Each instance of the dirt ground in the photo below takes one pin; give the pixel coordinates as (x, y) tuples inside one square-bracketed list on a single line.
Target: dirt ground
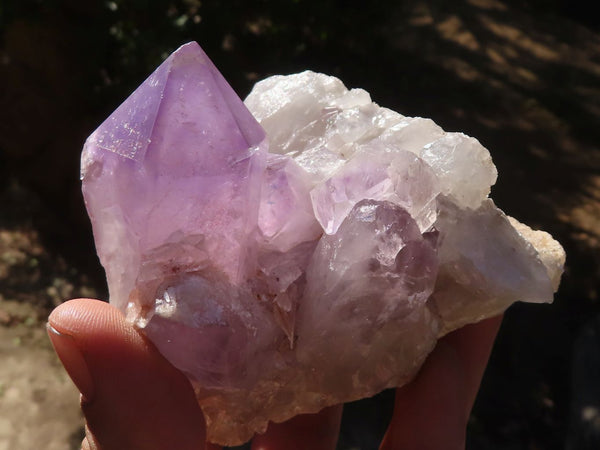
[(38, 402), (526, 85)]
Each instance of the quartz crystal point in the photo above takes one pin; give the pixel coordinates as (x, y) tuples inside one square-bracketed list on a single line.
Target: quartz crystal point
[(305, 249)]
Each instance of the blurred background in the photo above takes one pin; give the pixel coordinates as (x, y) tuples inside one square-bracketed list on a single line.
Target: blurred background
[(521, 76)]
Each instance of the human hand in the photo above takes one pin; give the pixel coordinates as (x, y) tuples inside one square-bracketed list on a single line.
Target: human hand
[(133, 399)]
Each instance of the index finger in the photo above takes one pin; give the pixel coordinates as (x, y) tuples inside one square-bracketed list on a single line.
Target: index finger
[(432, 411)]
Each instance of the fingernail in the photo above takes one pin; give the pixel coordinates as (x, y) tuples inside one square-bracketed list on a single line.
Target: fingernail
[(73, 361)]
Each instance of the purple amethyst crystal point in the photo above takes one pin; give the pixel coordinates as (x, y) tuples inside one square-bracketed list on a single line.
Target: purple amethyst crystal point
[(177, 167), (354, 280), (315, 269)]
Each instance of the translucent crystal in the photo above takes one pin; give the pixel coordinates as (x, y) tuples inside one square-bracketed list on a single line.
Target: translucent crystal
[(304, 250)]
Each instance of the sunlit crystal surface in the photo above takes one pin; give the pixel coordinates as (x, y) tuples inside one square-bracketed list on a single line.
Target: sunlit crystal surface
[(305, 249)]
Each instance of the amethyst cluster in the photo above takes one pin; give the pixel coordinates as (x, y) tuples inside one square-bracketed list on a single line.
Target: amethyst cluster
[(303, 249)]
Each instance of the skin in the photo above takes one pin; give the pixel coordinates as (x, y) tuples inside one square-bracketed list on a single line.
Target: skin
[(115, 367)]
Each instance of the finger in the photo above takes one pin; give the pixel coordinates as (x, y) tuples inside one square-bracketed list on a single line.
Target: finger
[(89, 442), (432, 411), (306, 431), (85, 445), (473, 345), (131, 396), (429, 412)]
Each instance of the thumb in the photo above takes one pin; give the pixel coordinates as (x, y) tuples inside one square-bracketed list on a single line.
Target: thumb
[(132, 398)]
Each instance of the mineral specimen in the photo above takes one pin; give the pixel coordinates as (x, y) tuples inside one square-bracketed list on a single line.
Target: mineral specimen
[(302, 250)]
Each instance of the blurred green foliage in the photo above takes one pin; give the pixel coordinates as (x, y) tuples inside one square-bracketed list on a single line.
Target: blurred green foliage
[(119, 42)]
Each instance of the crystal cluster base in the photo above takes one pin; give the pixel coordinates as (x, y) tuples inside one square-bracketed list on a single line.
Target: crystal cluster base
[(300, 250)]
